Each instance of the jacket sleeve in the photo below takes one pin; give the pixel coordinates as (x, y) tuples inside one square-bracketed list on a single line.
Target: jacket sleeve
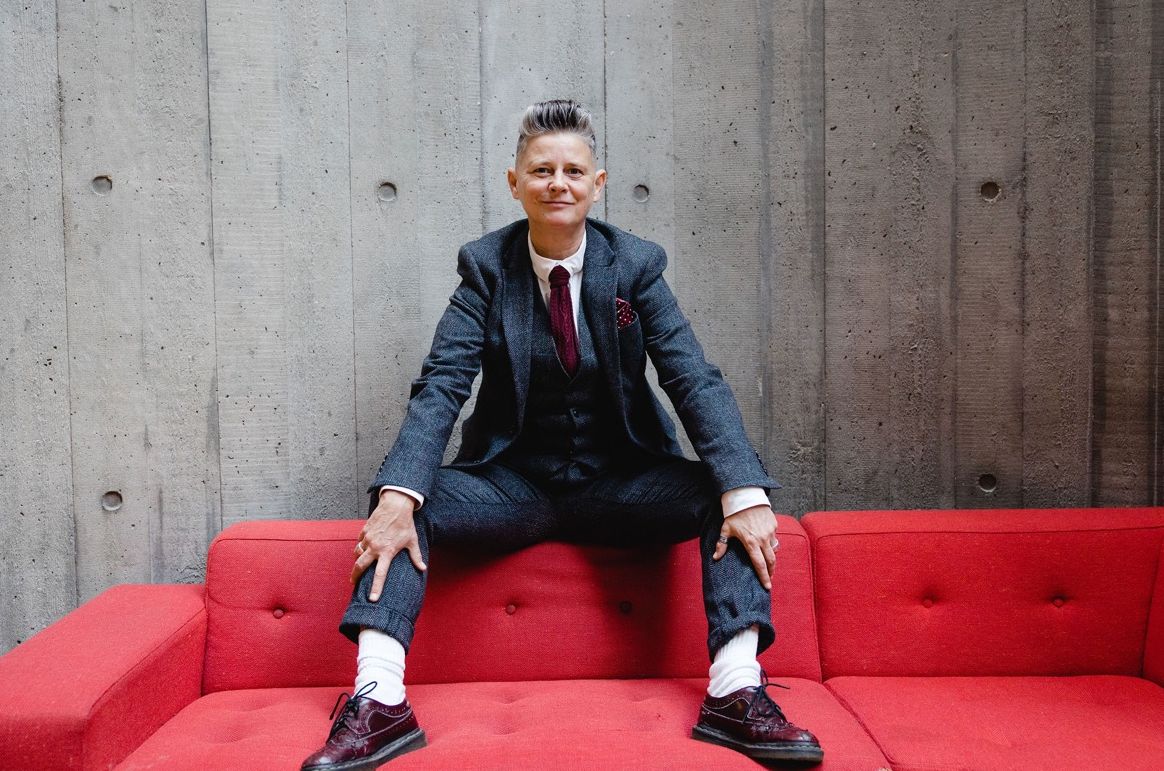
[(446, 378), (702, 398)]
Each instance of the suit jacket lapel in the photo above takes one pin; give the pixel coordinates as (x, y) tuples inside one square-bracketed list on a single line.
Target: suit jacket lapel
[(516, 316), (599, 285)]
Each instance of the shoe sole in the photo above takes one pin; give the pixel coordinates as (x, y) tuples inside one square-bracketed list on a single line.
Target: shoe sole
[(413, 740), (759, 751)]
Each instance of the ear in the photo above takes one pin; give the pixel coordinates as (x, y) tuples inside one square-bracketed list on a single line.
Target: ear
[(511, 177), (599, 183)]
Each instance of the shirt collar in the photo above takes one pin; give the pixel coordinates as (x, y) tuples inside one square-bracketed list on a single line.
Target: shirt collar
[(543, 265)]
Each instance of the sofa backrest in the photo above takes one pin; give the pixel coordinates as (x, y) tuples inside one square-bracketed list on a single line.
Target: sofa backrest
[(999, 592), (276, 591)]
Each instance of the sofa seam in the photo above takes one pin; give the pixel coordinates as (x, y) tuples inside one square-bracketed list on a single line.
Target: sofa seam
[(860, 721), (178, 634), (864, 533)]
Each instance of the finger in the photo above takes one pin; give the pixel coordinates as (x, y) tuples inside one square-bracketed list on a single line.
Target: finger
[(362, 562), (414, 552), (770, 559), (721, 545), (759, 565), (378, 580)]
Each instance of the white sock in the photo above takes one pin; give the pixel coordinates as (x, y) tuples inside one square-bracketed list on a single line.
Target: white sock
[(735, 664), (381, 660)]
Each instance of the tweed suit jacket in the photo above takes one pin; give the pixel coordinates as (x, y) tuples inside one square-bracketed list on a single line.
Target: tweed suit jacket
[(487, 328)]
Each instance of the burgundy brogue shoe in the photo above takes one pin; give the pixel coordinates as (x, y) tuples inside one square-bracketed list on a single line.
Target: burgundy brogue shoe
[(749, 721), (365, 734)]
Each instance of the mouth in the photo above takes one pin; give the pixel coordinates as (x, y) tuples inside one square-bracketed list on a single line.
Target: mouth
[(557, 204)]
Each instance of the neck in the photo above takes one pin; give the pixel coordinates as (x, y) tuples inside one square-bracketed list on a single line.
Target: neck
[(556, 245)]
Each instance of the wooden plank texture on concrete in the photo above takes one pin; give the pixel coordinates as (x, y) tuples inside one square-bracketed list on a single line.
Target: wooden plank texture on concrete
[(416, 196), (640, 190), (889, 174), (141, 344), (37, 571), (988, 227), (719, 191), (1056, 378), (1125, 271), (282, 248), (532, 51), (792, 292)]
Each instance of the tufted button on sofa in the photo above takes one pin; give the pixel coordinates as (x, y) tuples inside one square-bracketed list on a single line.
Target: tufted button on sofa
[(908, 640)]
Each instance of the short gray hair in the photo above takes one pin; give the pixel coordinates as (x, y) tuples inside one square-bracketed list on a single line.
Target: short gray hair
[(555, 116)]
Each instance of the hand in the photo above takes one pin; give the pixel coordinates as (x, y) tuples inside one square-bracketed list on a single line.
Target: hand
[(755, 528), (388, 531)]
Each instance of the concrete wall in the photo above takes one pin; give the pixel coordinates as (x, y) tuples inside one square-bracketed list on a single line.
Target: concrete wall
[(920, 237)]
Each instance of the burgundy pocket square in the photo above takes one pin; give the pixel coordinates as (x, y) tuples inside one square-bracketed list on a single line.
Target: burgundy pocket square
[(624, 313)]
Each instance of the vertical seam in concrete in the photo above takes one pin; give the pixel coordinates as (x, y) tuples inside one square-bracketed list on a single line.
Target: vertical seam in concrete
[(822, 394), (213, 262), (65, 277), (481, 105), (1100, 75), (1089, 280), (765, 240), (1023, 255), (953, 203), (1155, 230), (352, 250), (605, 120)]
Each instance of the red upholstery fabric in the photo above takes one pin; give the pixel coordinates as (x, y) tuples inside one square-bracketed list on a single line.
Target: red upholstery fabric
[(1020, 723), (591, 724), (1051, 592), (551, 611), (88, 689), (1154, 645)]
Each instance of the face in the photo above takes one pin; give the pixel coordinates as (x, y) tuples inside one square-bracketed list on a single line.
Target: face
[(557, 181)]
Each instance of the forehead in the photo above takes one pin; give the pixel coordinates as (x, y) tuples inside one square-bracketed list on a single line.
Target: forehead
[(559, 146)]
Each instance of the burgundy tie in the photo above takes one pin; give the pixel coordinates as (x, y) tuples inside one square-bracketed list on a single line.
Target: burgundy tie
[(562, 319)]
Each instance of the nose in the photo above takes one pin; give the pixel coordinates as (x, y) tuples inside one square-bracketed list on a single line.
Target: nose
[(558, 181)]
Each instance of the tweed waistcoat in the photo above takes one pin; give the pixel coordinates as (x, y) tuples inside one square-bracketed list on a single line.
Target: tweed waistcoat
[(570, 432)]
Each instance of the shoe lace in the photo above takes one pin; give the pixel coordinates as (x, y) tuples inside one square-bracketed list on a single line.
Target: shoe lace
[(347, 712), (763, 705)]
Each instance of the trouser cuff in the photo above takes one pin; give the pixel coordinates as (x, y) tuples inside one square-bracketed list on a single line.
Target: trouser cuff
[(718, 637), (370, 616)]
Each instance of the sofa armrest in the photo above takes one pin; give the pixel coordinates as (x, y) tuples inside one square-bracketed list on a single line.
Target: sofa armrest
[(86, 691)]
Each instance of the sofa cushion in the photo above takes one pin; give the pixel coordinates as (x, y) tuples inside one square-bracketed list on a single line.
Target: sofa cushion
[(1028, 723), (1154, 644), (1046, 592), (276, 591), (562, 724)]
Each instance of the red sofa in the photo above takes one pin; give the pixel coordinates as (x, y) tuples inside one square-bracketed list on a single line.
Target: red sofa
[(909, 640)]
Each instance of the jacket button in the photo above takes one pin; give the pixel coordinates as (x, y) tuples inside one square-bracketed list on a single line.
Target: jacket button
[(277, 613), (511, 608)]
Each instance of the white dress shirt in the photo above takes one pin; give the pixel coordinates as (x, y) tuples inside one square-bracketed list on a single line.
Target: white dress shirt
[(733, 501)]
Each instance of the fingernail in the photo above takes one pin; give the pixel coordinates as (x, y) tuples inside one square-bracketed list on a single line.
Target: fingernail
[(373, 597)]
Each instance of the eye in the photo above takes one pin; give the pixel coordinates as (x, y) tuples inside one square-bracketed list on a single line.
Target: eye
[(541, 170), (575, 172)]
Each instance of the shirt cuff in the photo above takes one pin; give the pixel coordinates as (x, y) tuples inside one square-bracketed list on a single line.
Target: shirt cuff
[(734, 501), (413, 494)]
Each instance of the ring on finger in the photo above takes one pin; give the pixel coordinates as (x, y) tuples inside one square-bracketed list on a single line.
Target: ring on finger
[(360, 547), (723, 539)]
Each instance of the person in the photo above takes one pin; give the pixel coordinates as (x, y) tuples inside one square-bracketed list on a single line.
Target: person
[(567, 441)]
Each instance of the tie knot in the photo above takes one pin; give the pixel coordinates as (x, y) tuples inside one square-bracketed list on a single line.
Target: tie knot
[(559, 276)]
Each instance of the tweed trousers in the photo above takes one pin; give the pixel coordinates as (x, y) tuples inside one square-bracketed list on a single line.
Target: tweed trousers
[(496, 506)]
